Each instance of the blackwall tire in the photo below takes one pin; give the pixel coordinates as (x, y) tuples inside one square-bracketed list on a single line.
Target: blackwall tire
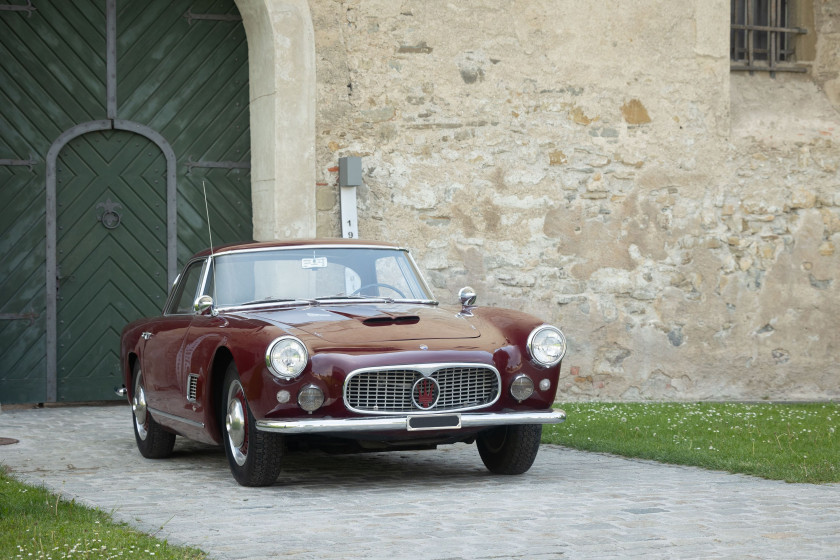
[(255, 457), (509, 449), (153, 441)]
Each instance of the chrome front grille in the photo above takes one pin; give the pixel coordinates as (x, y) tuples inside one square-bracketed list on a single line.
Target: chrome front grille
[(388, 390)]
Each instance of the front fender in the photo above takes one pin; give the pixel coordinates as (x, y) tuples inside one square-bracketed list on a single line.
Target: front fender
[(246, 348)]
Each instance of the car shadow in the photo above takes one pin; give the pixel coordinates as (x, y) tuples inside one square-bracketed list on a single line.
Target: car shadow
[(378, 469), (445, 465)]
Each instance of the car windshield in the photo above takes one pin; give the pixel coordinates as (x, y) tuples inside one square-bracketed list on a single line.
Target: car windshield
[(281, 275)]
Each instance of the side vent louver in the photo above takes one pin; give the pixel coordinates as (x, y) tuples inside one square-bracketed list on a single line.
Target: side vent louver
[(192, 387)]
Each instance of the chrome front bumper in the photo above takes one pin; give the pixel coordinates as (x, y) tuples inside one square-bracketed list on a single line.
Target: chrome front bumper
[(409, 422)]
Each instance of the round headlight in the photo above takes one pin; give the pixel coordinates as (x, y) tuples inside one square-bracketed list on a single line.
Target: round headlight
[(546, 345), (286, 357)]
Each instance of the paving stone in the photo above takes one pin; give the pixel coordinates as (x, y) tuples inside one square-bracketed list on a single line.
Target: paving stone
[(434, 505)]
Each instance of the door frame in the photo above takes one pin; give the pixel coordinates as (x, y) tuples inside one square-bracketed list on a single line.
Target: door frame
[(52, 257)]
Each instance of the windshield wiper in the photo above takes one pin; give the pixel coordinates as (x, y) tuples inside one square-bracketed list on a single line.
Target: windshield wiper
[(280, 300), (355, 298), (416, 301)]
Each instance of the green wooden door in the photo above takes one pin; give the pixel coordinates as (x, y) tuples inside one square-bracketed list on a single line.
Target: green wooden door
[(52, 77), (187, 78), (181, 72), (22, 321), (111, 245)]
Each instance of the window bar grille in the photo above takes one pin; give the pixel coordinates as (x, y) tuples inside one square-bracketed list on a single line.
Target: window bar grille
[(747, 24)]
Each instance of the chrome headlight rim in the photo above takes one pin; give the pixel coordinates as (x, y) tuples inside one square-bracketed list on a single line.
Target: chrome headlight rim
[(277, 369), (533, 351)]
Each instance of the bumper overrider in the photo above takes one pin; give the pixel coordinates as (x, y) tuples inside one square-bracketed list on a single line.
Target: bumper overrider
[(409, 422)]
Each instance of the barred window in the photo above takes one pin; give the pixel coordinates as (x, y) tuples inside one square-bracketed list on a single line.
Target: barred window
[(762, 36)]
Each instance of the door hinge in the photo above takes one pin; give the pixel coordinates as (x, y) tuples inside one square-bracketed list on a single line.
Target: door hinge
[(216, 165), (19, 317), (26, 162), (210, 17), (29, 8)]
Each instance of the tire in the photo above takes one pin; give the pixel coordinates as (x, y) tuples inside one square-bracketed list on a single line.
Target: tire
[(509, 449), (255, 457), (153, 441)]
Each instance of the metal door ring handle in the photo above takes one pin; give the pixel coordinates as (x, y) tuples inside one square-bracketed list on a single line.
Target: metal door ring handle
[(108, 215)]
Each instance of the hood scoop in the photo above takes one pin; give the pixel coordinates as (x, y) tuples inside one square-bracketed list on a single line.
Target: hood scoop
[(389, 321)]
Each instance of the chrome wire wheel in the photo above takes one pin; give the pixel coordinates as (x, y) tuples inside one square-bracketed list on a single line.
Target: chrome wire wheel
[(139, 407), (236, 423)]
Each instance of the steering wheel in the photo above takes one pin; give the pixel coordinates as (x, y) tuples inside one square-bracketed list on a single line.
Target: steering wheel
[(375, 284)]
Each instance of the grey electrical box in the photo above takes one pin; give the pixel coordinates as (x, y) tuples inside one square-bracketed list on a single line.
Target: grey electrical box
[(350, 171)]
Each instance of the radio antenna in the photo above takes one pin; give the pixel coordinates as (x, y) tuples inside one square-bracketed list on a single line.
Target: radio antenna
[(210, 235)]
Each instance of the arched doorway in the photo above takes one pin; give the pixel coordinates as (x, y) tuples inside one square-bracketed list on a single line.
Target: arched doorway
[(110, 253)]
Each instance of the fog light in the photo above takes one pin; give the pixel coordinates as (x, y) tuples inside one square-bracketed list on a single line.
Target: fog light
[(522, 388), (310, 398), (283, 397), (545, 385)]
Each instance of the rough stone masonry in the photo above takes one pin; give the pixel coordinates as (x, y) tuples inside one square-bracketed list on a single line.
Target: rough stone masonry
[(598, 165)]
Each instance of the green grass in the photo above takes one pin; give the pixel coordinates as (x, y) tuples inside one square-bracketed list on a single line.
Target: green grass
[(791, 442), (38, 525)]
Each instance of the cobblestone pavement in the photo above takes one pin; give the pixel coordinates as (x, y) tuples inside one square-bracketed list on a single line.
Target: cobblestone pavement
[(419, 505)]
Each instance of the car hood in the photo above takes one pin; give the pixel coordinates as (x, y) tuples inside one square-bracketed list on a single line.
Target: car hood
[(374, 322)]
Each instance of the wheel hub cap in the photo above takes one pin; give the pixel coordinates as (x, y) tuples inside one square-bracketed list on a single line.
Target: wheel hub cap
[(138, 405), (235, 423)]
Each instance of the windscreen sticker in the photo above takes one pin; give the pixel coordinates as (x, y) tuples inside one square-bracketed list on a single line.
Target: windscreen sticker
[(317, 262)]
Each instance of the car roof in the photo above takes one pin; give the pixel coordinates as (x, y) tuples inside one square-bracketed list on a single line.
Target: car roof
[(294, 243)]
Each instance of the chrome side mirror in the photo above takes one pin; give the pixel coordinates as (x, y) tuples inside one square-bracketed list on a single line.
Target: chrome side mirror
[(467, 296), (202, 304)]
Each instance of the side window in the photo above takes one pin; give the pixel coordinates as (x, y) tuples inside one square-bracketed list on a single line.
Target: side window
[(186, 288)]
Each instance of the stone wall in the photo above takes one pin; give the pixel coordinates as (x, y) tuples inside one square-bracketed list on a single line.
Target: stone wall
[(597, 164)]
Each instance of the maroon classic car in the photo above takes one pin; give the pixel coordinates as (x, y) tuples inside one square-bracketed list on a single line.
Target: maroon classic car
[(338, 345)]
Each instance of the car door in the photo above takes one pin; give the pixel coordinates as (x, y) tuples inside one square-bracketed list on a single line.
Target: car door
[(163, 355)]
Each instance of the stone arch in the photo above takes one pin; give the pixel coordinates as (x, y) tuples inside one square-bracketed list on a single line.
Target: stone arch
[(281, 58)]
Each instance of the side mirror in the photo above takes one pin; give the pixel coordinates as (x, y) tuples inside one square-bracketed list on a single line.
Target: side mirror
[(202, 304), (467, 296)]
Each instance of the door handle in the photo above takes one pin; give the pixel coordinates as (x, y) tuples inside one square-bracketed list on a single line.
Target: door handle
[(146, 335)]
